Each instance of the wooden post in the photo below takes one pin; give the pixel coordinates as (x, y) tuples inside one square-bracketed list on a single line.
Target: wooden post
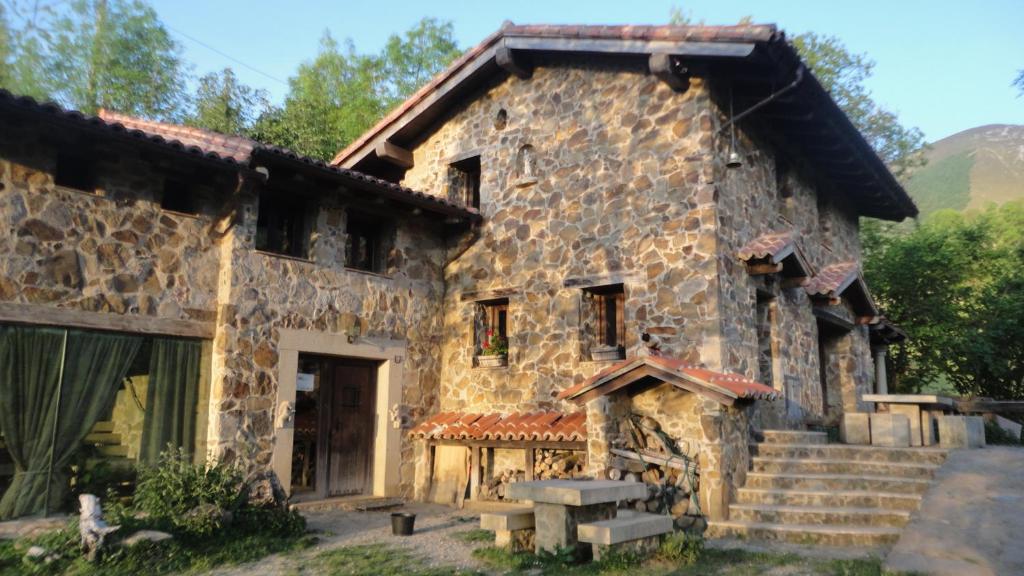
[(489, 465), (474, 472), (530, 455)]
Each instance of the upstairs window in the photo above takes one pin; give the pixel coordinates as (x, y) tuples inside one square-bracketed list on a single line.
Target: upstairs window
[(492, 326), (604, 323), (179, 196), (283, 225), (75, 171), (464, 181), (367, 243), (783, 186)]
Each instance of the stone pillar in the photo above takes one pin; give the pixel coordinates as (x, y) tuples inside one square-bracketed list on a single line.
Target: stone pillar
[(881, 381)]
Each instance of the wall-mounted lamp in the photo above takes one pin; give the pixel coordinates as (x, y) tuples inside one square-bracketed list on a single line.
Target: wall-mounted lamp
[(734, 160)]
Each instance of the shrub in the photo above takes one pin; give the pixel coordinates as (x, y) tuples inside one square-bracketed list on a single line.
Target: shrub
[(995, 434), (189, 499), (682, 548)]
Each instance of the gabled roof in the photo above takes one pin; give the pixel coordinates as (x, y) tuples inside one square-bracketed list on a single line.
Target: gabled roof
[(724, 387), (836, 279), (232, 152), (755, 61), (778, 248), (529, 426)]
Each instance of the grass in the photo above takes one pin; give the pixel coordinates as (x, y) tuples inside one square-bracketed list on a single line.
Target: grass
[(945, 183), (152, 559), (474, 536)]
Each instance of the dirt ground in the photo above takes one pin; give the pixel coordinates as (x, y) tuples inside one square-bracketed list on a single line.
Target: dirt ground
[(971, 521)]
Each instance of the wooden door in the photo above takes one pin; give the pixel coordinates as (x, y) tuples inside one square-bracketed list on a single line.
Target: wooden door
[(350, 433)]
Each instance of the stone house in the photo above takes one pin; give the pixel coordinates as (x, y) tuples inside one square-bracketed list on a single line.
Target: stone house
[(655, 222)]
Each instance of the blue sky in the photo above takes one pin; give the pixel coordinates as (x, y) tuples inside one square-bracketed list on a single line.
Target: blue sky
[(943, 66)]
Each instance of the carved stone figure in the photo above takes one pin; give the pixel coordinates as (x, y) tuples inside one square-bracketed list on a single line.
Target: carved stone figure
[(285, 416), (92, 527)]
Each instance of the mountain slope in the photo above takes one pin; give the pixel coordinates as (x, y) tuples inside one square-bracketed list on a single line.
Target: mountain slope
[(972, 168)]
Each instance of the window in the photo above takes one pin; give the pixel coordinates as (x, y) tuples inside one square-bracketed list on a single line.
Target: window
[(367, 243), (604, 321), (492, 325), (283, 225), (765, 312), (464, 181), (75, 171), (783, 186), (179, 196), (824, 219)]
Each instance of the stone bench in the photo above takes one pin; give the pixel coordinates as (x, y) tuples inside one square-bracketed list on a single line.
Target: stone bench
[(637, 533), (962, 432), (513, 529)]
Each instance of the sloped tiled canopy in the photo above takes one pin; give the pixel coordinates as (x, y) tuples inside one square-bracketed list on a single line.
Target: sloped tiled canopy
[(777, 252), (843, 280), (541, 426), (725, 388)]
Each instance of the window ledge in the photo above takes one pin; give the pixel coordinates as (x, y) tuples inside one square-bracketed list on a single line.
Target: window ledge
[(524, 182), (284, 256), (368, 273)]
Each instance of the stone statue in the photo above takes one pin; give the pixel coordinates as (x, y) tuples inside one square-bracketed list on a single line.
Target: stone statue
[(285, 416), (92, 527)]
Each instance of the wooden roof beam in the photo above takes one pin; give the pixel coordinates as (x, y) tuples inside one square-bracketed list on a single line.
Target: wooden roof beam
[(393, 154)]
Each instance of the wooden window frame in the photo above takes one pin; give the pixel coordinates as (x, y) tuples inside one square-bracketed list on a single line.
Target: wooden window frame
[(287, 222), (464, 178), (611, 315), (377, 232), (495, 319)]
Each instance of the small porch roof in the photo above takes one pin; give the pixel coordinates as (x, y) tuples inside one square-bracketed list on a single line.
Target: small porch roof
[(779, 249), (834, 281), (723, 387), (541, 426)]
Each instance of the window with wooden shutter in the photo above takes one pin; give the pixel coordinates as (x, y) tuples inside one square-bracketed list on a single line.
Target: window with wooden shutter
[(604, 320)]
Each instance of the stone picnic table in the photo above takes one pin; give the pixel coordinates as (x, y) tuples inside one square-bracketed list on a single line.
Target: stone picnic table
[(560, 506), (923, 411)]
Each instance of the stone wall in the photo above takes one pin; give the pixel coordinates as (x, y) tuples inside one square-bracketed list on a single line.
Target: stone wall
[(112, 251), (262, 293), (751, 203), (619, 194)]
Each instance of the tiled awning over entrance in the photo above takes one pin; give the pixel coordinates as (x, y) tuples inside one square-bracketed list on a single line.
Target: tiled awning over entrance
[(725, 388), (517, 426)]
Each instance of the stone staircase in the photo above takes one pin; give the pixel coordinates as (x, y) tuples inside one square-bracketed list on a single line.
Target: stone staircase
[(802, 489)]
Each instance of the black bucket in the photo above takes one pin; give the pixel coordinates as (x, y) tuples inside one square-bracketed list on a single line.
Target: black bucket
[(401, 523)]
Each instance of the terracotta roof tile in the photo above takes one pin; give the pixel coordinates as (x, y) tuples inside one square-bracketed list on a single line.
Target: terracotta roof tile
[(833, 279), (235, 147), (767, 245), (727, 384), (517, 426)]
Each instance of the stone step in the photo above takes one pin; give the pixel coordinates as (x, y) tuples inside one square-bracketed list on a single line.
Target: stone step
[(624, 528), (836, 482), (104, 426), (850, 452), (845, 516), (794, 437), (826, 466), (113, 450), (105, 438), (516, 519), (833, 498), (826, 534)]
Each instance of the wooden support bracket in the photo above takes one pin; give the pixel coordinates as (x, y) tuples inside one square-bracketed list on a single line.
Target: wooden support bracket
[(512, 62), (795, 282), (394, 154), (670, 71), (759, 269)]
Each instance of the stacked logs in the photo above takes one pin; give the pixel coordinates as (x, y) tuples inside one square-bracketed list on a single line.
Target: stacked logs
[(669, 491), (554, 463), (496, 487)]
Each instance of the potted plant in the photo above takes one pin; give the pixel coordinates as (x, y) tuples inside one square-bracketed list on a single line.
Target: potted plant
[(493, 352), (604, 353)]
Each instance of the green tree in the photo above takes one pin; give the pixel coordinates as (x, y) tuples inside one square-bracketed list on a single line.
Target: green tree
[(410, 61), (1019, 81), (225, 105), (6, 49), (115, 54)]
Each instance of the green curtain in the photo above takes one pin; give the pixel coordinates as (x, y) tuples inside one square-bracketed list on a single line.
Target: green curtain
[(29, 377), (95, 363), (171, 397)]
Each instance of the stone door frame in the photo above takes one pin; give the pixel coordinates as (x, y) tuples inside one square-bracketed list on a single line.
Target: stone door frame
[(387, 439)]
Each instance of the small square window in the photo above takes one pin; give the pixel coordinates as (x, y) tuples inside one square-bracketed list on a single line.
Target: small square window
[(179, 196), (283, 225), (464, 181), (367, 243), (75, 171), (604, 321), (492, 326)]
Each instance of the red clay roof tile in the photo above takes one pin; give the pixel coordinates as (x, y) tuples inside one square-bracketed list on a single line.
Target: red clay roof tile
[(520, 426), (833, 279)]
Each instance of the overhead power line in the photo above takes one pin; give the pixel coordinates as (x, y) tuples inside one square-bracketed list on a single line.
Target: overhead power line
[(228, 56)]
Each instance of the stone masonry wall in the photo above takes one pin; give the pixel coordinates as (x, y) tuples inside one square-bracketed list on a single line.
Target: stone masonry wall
[(621, 196), (262, 293), (827, 230)]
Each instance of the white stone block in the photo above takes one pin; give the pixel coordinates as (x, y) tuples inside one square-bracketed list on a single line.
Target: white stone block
[(890, 430), (962, 432), (855, 428)]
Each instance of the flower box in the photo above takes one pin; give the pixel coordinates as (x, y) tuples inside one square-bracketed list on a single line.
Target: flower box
[(605, 353), (492, 360)]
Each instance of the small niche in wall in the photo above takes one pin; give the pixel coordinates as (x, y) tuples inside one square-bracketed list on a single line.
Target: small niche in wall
[(501, 119), (526, 166)]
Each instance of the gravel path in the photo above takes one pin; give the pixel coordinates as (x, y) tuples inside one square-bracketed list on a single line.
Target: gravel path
[(431, 541), (971, 521)]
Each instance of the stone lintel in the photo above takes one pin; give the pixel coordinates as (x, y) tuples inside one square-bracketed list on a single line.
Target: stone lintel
[(484, 295)]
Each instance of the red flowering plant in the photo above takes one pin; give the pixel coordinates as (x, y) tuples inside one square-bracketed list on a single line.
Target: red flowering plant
[(494, 345)]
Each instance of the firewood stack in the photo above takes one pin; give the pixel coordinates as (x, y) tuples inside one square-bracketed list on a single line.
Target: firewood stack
[(549, 464), (644, 453), (497, 487)]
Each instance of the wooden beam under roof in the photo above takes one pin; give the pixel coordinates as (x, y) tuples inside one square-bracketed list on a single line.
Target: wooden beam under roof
[(394, 154)]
